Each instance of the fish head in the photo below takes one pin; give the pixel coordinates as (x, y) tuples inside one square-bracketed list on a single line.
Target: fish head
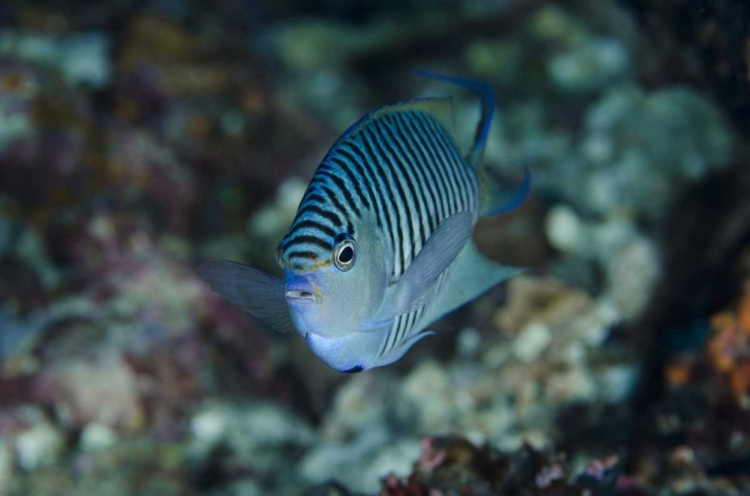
[(329, 300)]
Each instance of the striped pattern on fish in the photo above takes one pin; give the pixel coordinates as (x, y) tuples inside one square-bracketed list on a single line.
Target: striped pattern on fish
[(403, 167)]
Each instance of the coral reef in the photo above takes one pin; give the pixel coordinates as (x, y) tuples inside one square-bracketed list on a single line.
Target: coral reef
[(456, 466), (137, 139)]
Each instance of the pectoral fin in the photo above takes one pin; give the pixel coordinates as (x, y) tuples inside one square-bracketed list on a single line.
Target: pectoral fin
[(413, 287), (258, 294)]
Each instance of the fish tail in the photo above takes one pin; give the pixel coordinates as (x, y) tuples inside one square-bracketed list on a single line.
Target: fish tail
[(487, 97)]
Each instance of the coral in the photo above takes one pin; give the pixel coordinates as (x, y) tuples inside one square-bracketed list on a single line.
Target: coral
[(624, 130), (631, 262), (707, 46), (82, 58), (134, 467), (248, 443), (727, 352), (453, 465), (137, 141), (704, 416)]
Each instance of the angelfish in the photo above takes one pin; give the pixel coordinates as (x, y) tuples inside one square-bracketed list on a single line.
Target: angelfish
[(381, 243)]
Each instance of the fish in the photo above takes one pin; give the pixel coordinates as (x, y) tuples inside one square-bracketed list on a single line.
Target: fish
[(381, 244)]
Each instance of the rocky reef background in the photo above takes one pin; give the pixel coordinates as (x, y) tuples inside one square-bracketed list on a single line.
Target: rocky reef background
[(138, 138)]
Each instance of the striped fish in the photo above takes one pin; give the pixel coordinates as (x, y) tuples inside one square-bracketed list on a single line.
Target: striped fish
[(381, 243)]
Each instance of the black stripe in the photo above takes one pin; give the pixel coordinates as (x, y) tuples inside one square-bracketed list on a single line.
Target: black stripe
[(346, 150), (344, 166), (309, 207), (397, 166), (435, 164), (425, 168), (313, 224), (303, 254), (342, 186), (393, 331), (334, 199), (408, 165), (371, 140), (423, 187), (444, 161), (401, 330), (378, 190), (307, 239), (449, 147), (313, 197)]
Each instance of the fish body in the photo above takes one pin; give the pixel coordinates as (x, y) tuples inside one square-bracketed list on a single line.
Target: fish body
[(381, 243)]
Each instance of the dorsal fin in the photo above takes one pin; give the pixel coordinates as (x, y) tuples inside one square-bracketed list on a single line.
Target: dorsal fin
[(441, 108), (487, 96), (496, 197)]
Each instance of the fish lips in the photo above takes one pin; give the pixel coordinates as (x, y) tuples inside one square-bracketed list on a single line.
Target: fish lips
[(301, 290)]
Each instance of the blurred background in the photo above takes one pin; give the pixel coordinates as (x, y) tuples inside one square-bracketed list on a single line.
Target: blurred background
[(140, 137)]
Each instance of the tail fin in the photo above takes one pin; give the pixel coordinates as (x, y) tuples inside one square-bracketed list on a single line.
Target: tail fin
[(487, 96)]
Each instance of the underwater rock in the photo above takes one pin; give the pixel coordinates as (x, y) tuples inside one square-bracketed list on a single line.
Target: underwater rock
[(149, 173), (248, 444), (35, 441), (7, 466), (207, 116), (633, 165), (18, 337), (357, 428), (97, 437), (82, 58), (706, 46), (452, 465), (619, 161), (558, 25), (42, 134), (358, 404), (104, 391), (590, 66), (631, 262), (39, 447), (563, 330), (705, 263), (498, 61), (631, 276), (703, 417), (134, 467), (345, 462), (728, 347), (567, 232), (429, 391)]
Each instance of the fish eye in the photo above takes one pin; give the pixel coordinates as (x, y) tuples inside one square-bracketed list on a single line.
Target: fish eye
[(344, 252)]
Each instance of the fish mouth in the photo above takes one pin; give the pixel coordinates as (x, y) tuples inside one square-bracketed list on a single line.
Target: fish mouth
[(299, 295), (300, 290)]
